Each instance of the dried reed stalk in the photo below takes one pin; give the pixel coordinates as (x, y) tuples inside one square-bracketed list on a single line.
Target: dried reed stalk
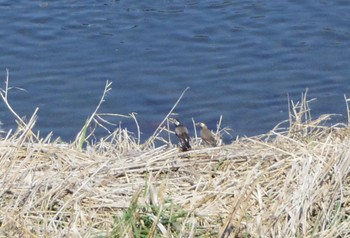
[(286, 183)]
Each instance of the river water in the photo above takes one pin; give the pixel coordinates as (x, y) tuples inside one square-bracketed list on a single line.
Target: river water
[(240, 59)]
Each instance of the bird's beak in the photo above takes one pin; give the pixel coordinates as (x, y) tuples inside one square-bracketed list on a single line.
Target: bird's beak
[(197, 123)]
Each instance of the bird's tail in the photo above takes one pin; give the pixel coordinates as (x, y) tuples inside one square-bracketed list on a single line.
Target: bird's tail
[(185, 145)]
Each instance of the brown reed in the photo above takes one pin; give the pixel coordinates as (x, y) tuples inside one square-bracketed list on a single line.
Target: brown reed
[(289, 182)]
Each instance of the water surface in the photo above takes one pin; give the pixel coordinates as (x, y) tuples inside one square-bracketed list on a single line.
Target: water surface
[(241, 59)]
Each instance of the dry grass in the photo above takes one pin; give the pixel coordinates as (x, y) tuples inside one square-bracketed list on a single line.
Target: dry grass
[(291, 182)]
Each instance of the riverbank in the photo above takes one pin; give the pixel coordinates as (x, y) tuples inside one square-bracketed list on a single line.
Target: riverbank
[(291, 182)]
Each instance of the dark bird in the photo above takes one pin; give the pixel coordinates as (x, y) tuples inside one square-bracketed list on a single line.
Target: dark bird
[(181, 133), (206, 134)]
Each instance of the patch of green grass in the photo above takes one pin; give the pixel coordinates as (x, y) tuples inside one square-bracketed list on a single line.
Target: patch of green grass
[(145, 220)]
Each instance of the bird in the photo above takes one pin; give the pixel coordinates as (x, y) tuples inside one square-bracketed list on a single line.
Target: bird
[(206, 134), (181, 132)]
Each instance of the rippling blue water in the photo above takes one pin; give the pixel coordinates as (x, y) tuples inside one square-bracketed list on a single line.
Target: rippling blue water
[(240, 59)]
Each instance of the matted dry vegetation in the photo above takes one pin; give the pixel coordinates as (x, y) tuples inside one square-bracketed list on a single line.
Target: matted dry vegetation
[(291, 182)]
